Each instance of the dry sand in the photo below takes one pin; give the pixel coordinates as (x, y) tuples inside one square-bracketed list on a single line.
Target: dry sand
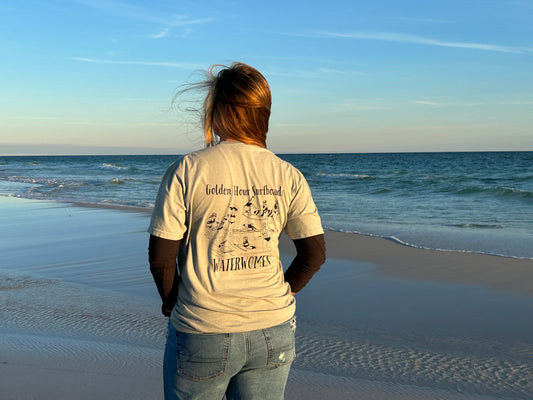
[(79, 316)]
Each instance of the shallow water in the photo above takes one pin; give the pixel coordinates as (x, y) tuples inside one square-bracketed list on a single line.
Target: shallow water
[(92, 246)]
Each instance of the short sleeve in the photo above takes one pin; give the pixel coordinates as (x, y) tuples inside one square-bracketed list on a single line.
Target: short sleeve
[(302, 219), (169, 214)]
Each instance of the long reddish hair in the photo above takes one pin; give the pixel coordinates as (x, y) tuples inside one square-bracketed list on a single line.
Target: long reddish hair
[(237, 105)]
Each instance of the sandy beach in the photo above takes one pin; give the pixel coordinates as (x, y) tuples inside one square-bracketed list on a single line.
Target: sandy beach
[(79, 315)]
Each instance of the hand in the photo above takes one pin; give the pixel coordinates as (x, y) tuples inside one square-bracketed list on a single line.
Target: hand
[(166, 311)]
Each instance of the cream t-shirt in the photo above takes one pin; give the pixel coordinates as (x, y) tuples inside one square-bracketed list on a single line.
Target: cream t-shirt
[(228, 204)]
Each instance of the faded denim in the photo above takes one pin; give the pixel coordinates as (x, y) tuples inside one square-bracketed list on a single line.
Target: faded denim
[(248, 365)]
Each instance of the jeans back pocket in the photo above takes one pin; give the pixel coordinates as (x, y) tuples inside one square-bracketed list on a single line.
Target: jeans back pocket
[(202, 356), (281, 344)]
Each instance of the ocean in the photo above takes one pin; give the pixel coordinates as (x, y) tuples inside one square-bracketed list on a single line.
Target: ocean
[(478, 202)]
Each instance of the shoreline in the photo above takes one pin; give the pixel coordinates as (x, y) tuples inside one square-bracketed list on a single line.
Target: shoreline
[(395, 259), (393, 240), (148, 211), (389, 256)]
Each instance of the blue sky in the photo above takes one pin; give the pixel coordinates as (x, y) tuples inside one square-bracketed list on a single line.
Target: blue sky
[(98, 76)]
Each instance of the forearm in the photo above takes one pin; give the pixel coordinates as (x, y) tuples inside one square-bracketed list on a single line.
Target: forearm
[(162, 255), (310, 255)]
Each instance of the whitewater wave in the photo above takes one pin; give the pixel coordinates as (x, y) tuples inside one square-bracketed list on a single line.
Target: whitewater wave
[(116, 167), (345, 175), (503, 192), (479, 226), (121, 181), (396, 239)]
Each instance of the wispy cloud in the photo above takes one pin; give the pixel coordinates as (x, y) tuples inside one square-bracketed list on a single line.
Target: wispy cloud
[(167, 20), (147, 63), (314, 73), (414, 39), (427, 103), (124, 10), (32, 118), (517, 103), (384, 104), (424, 20), (447, 104), (131, 11), (145, 99), (179, 22), (160, 35), (363, 105), (293, 125), (182, 20)]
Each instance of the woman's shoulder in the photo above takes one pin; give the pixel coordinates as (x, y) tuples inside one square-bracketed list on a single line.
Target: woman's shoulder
[(228, 151)]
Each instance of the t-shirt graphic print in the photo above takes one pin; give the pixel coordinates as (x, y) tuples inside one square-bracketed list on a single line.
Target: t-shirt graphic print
[(242, 237)]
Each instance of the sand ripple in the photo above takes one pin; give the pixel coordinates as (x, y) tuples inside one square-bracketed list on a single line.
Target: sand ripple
[(505, 372), (102, 331), (47, 308), (82, 355)]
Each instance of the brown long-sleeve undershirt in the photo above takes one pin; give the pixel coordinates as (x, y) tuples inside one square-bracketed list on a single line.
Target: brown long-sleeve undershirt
[(162, 253), (310, 255)]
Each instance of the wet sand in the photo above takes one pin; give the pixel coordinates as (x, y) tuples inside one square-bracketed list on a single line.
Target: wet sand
[(79, 315)]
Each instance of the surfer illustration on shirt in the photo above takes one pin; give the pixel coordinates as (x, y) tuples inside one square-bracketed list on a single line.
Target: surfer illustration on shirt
[(247, 229)]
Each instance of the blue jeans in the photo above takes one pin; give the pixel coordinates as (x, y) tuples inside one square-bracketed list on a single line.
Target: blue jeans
[(248, 365)]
